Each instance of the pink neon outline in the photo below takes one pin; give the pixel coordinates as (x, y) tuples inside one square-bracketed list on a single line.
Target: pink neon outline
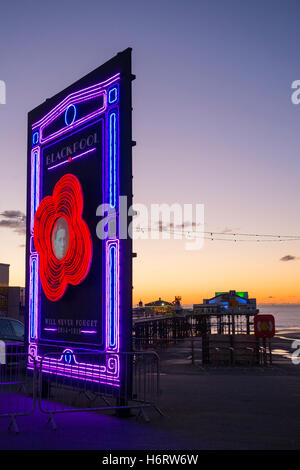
[(73, 98), (89, 368), (93, 370), (62, 373), (71, 159), (80, 371), (81, 377), (68, 100)]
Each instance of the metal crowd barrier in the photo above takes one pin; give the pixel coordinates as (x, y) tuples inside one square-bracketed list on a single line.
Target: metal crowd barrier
[(94, 381), (231, 355), (17, 386), (241, 353)]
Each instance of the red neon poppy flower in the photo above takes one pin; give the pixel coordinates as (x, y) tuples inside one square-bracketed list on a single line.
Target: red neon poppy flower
[(62, 238)]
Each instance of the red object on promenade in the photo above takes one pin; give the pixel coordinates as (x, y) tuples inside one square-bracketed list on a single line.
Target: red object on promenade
[(264, 326)]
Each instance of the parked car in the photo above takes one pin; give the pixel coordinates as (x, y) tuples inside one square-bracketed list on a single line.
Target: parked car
[(12, 359), (11, 331)]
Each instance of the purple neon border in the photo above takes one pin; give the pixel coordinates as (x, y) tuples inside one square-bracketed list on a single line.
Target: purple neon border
[(102, 122), (112, 243), (68, 100), (50, 117), (112, 193)]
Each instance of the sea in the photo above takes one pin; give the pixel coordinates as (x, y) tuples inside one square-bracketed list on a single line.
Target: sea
[(286, 316)]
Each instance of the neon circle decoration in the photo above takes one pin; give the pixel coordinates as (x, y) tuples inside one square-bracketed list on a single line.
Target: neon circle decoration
[(68, 262), (71, 110)]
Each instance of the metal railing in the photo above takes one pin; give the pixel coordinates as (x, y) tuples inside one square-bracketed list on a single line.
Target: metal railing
[(95, 381), (88, 381), (222, 355), (17, 386), (260, 355), (216, 353)]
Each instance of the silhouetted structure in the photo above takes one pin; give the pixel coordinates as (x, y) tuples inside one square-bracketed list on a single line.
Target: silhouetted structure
[(226, 319), (227, 313)]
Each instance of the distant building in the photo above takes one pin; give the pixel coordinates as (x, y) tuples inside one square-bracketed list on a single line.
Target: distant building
[(139, 311), (4, 281), (12, 299), (3, 301), (158, 307), (4, 275), (231, 302), (16, 303), (227, 313)]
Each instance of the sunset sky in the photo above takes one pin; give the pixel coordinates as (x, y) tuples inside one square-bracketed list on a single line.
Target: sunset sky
[(213, 121)]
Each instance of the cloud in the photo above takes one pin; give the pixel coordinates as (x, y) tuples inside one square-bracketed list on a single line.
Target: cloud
[(186, 224), (170, 226), (14, 220), (13, 215), (230, 230), (288, 258)]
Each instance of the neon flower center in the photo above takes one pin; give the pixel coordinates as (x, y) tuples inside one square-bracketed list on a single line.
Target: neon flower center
[(60, 238)]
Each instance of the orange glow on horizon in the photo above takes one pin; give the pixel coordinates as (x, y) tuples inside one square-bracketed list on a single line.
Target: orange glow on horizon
[(187, 300), (164, 269)]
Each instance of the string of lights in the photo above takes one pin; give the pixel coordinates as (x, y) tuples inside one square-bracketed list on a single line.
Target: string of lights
[(222, 236)]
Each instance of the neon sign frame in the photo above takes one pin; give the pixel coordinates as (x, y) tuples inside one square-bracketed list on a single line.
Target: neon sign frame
[(109, 90)]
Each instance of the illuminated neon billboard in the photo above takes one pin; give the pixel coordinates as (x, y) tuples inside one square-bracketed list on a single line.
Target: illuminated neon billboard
[(79, 286)]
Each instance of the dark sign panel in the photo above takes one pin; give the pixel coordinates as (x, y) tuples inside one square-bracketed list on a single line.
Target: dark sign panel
[(79, 283)]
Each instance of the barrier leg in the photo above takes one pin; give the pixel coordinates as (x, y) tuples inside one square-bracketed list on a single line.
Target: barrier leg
[(13, 424), (158, 410), (143, 413), (45, 388), (123, 412), (51, 420)]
